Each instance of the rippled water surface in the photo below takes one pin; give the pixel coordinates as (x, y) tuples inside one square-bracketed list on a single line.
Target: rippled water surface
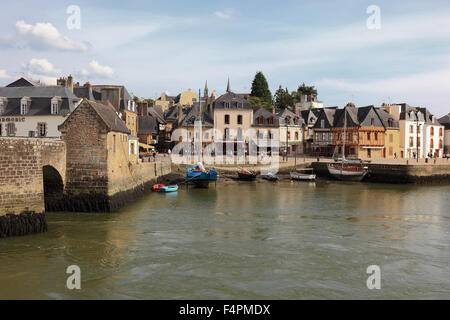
[(244, 241)]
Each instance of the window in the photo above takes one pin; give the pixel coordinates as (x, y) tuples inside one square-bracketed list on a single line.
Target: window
[(296, 135), (431, 144), (227, 119), (376, 136), (260, 120), (391, 151), (24, 108), (271, 120), (440, 144), (31, 134), (227, 133), (11, 129), (372, 121), (54, 109), (132, 148), (1, 128), (114, 143), (239, 134), (42, 129), (391, 138), (239, 119), (440, 132), (368, 135), (322, 124), (431, 131), (390, 123), (411, 129)]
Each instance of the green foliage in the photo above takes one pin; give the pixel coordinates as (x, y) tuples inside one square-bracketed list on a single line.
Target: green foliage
[(283, 98), (260, 103), (307, 90), (260, 88)]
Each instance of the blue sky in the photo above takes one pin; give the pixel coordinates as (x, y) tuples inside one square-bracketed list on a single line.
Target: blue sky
[(156, 46)]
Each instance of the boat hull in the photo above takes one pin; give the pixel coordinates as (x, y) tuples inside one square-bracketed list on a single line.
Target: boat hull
[(345, 174), (201, 179), (246, 176), (303, 177)]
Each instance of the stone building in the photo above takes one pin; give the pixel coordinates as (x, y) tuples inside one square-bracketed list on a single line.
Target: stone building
[(97, 150)]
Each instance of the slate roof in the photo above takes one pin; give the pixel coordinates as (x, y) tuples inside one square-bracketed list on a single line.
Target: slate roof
[(385, 117), (285, 114), (154, 113), (26, 82), (445, 121), (356, 117), (147, 125), (234, 100), (109, 116), (40, 100), (328, 115), (266, 114), (191, 116)]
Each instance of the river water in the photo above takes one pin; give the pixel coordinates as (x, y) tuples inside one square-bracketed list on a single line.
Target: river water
[(244, 240)]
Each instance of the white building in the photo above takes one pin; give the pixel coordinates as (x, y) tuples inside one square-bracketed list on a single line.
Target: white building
[(420, 133), (308, 102), (34, 111)]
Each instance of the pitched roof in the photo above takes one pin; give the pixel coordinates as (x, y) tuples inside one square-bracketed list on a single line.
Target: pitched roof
[(40, 100), (388, 120), (445, 121), (109, 116), (265, 115), (25, 82), (192, 115), (147, 125), (231, 100)]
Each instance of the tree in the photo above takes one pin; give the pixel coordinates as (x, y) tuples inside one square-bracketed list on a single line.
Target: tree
[(308, 90), (259, 103), (283, 98), (260, 88)]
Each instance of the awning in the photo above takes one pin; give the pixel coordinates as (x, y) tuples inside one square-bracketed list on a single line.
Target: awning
[(146, 146)]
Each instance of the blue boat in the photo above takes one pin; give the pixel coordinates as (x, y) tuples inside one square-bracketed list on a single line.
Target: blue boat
[(201, 176), (168, 188)]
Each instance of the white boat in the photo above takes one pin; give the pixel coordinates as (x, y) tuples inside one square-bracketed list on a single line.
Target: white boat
[(304, 176)]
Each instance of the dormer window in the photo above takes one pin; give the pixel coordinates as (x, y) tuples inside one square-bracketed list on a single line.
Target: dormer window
[(55, 105), (129, 105), (322, 124), (133, 106), (24, 105)]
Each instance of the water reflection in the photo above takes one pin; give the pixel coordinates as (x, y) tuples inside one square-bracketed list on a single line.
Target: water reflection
[(247, 240)]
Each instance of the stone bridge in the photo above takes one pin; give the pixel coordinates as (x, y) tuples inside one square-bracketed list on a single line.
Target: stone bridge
[(30, 170)]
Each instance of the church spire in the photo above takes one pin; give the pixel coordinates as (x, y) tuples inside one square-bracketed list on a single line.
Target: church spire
[(205, 91), (228, 85)]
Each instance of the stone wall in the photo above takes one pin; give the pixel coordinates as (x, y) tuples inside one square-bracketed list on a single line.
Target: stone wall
[(21, 182)]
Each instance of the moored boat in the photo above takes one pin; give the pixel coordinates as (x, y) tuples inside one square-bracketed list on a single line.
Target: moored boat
[(201, 176), (347, 171), (306, 175), (168, 188), (245, 174), (270, 176)]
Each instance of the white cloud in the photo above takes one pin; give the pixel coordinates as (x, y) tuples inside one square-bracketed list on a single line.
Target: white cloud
[(43, 67), (226, 14), (45, 35), (3, 74), (96, 69), (423, 89)]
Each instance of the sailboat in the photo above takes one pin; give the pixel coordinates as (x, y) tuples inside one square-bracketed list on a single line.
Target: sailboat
[(349, 170)]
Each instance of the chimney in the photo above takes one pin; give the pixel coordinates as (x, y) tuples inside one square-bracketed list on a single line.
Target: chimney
[(88, 85), (70, 83), (180, 114), (296, 109)]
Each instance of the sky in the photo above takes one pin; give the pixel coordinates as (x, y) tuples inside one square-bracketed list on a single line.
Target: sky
[(344, 48)]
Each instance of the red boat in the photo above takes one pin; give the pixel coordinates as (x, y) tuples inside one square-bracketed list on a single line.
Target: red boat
[(157, 186)]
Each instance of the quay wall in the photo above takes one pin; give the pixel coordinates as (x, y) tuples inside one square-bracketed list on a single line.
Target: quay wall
[(398, 173)]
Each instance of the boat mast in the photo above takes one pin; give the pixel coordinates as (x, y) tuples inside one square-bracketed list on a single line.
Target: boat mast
[(345, 135)]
